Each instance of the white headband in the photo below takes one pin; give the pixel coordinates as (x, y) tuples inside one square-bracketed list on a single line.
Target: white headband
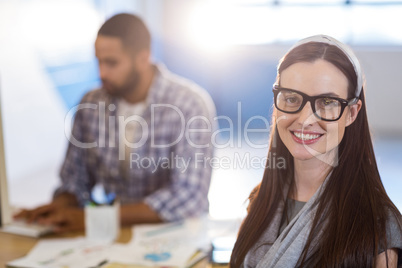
[(345, 49)]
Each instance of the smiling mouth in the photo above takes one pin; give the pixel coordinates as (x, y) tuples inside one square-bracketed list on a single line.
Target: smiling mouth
[(305, 136)]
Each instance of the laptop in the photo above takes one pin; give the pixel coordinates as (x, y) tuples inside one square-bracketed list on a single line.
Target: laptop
[(7, 224)]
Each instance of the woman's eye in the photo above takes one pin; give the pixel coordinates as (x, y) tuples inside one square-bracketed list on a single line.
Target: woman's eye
[(292, 100), (328, 102)]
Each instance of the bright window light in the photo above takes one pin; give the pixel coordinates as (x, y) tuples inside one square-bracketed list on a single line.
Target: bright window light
[(217, 25), (55, 26), (314, 2)]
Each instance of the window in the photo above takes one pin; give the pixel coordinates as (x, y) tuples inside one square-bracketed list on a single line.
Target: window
[(221, 23)]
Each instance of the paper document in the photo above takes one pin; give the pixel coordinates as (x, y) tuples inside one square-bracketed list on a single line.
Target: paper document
[(71, 253), (178, 245), (171, 244)]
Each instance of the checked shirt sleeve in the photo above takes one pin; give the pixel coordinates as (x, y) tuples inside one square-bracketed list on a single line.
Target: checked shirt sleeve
[(187, 194), (75, 178)]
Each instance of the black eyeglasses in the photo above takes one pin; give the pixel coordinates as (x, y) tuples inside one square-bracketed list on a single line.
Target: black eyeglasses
[(324, 107)]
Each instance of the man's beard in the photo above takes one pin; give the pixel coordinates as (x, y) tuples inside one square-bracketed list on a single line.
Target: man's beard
[(129, 86)]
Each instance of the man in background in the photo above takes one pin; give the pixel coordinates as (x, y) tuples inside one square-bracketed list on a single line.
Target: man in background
[(145, 137)]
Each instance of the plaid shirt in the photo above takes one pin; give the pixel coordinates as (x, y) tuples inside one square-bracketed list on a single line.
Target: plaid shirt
[(169, 165)]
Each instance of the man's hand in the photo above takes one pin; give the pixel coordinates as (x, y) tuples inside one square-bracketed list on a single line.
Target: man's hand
[(61, 218), (37, 214), (138, 213), (65, 219), (63, 214)]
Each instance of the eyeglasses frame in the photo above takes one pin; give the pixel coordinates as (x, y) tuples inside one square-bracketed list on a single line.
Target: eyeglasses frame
[(306, 98)]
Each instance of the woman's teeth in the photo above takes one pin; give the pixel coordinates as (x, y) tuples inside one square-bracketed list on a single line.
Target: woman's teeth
[(306, 137)]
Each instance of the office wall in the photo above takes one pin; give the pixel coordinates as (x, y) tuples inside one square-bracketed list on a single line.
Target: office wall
[(382, 66)]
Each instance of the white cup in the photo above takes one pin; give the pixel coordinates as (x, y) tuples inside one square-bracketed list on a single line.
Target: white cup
[(102, 223)]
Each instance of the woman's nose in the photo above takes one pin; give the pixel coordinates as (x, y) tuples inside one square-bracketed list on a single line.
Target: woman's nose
[(306, 115)]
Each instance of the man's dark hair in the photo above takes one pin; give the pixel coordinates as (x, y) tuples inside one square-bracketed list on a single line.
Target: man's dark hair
[(130, 29)]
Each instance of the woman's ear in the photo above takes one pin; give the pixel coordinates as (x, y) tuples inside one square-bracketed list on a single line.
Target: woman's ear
[(353, 112)]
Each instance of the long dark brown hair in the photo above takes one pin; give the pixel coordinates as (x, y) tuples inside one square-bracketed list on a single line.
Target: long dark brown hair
[(354, 203)]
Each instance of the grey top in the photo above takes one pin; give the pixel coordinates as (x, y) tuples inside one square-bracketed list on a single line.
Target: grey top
[(394, 235), (292, 207)]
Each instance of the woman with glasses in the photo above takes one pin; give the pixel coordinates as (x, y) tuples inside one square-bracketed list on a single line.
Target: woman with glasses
[(328, 206)]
